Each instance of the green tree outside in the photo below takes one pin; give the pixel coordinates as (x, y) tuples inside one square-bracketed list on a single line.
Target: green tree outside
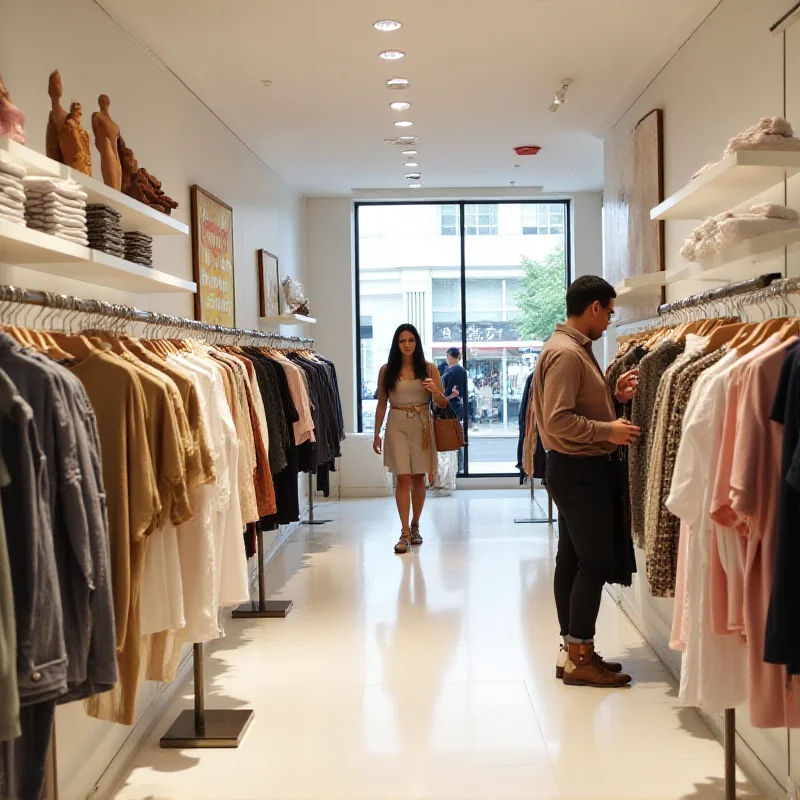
[(541, 296)]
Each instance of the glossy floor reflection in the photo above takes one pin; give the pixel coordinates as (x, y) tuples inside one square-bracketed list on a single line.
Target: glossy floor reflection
[(430, 675)]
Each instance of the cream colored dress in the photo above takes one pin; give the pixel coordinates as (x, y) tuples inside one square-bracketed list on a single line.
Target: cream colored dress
[(409, 446)]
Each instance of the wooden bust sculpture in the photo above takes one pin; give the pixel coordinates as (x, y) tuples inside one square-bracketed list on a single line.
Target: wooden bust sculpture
[(106, 137), (66, 141), (57, 117), (12, 120), (74, 140), (139, 184)]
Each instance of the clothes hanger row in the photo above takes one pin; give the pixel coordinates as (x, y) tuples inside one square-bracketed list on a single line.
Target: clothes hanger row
[(85, 326), (720, 315)]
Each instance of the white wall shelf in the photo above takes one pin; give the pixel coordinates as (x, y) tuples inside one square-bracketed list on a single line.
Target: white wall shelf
[(638, 289), (136, 216), (42, 252), (288, 319), (732, 182), (725, 264)]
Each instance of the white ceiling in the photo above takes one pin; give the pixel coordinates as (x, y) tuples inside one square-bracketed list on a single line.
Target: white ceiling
[(483, 74)]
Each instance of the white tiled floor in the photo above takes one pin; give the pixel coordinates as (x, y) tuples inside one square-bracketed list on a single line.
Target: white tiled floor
[(430, 675)]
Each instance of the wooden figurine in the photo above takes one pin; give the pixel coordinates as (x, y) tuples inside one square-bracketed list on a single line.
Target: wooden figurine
[(106, 139), (12, 120), (57, 117), (66, 140), (139, 184), (76, 149)]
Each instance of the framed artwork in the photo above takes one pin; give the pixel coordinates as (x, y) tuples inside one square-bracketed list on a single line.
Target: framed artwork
[(212, 259), (269, 285)]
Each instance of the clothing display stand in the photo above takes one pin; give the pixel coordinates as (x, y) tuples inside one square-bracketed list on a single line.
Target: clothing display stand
[(222, 727), (537, 520), (730, 754), (262, 608), (311, 520)]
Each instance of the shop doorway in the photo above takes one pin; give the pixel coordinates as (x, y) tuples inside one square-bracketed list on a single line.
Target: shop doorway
[(486, 278)]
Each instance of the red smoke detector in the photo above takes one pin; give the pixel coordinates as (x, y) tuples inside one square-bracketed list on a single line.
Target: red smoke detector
[(528, 150)]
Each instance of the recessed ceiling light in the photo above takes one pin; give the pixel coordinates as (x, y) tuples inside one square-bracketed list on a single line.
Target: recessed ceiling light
[(388, 25), (414, 185), (410, 152), (413, 176), (398, 84), (405, 139), (404, 123), (401, 106), (392, 55), (411, 164)]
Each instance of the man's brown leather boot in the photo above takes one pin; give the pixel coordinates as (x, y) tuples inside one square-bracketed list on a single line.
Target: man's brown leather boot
[(584, 668)]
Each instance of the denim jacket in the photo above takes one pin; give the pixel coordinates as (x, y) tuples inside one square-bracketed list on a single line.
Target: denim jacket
[(41, 650)]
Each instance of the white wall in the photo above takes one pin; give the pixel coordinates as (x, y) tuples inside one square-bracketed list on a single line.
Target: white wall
[(728, 75), (177, 139)]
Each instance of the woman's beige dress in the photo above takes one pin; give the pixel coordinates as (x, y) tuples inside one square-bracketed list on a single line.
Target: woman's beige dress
[(409, 446)]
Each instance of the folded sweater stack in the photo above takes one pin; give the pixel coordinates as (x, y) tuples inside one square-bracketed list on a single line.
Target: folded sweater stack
[(12, 189), (105, 229), (57, 207), (139, 248), (769, 133), (720, 233)]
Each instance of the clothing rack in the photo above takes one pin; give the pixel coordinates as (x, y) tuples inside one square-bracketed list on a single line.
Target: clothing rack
[(756, 291), (198, 727), (537, 520)]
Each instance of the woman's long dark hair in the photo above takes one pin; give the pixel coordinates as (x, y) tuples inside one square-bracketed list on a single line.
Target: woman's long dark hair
[(395, 361)]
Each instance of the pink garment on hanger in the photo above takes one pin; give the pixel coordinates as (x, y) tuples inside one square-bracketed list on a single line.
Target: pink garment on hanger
[(755, 477)]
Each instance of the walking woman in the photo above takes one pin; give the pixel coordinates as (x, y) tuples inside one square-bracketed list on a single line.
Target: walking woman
[(407, 382)]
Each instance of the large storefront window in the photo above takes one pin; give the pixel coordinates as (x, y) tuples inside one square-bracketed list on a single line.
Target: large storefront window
[(498, 307)]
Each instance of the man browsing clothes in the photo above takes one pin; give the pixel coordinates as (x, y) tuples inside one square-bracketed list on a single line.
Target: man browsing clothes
[(579, 428)]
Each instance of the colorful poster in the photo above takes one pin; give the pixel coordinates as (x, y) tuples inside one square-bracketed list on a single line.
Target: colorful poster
[(212, 254)]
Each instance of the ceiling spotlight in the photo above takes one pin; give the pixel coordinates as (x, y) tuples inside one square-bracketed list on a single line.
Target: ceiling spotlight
[(392, 55), (411, 164), (387, 25), (414, 185), (398, 84), (410, 152), (404, 123), (400, 106), (413, 176), (561, 95)]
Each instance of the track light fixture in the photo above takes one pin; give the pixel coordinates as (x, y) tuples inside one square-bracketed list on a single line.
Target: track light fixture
[(561, 95)]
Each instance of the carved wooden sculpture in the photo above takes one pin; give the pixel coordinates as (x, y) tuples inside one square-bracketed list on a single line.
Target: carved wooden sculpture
[(139, 184), (106, 138), (57, 117), (67, 141), (76, 149)]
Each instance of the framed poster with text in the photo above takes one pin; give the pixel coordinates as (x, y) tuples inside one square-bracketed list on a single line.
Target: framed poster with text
[(212, 259)]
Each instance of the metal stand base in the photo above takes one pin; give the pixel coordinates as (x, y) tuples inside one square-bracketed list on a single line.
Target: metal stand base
[(218, 727), (311, 520), (222, 728), (537, 520), (270, 609), (262, 608)]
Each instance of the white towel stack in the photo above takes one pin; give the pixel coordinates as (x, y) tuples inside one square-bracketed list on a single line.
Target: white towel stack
[(720, 233), (769, 133), (12, 189), (57, 207)]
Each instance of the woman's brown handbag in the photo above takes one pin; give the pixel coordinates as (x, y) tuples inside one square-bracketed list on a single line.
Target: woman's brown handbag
[(448, 430)]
